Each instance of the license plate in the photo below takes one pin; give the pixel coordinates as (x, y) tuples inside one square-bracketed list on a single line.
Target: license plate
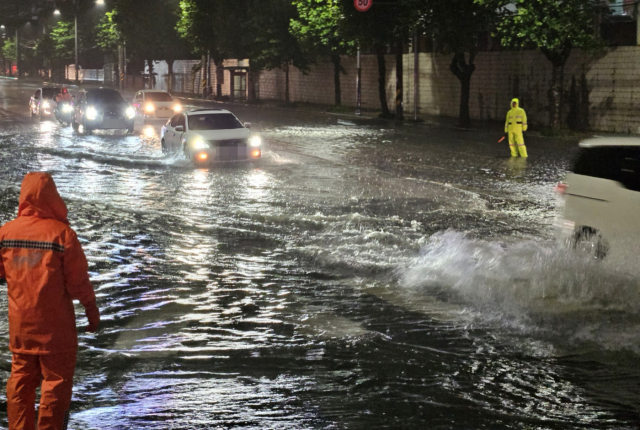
[(114, 123), (233, 153)]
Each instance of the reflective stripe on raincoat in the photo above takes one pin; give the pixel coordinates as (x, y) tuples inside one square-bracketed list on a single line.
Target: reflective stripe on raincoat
[(46, 269), (516, 119)]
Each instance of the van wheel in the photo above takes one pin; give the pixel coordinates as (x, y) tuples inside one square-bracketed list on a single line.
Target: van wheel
[(589, 241), (75, 126)]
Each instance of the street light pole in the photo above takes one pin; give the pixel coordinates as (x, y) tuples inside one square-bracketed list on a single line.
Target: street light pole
[(75, 15)]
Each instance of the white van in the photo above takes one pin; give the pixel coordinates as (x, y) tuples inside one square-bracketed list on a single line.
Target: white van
[(601, 215)]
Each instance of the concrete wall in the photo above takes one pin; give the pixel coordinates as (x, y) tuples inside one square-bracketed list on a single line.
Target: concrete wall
[(605, 94)]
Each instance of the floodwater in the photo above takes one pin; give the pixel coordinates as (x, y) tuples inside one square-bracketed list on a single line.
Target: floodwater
[(359, 276)]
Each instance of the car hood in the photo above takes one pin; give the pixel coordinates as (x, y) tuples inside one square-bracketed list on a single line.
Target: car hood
[(238, 133)]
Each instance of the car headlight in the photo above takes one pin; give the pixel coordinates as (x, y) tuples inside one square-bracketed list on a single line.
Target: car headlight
[(200, 144), (91, 113), (177, 108), (130, 112), (67, 108), (46, 104), (149, 108), (255, 141)]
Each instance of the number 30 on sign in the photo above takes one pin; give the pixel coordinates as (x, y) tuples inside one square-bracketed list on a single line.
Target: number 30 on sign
[(362, 5)]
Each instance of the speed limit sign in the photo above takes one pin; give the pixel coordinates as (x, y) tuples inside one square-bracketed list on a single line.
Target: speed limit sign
[(362, 5)]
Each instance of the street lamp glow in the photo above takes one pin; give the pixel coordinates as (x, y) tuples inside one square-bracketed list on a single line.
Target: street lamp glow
[(99, 2), (1, 27), (56, 12)]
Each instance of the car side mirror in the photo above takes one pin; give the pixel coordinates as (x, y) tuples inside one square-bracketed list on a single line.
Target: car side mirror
[(247, 125), (179, 127)]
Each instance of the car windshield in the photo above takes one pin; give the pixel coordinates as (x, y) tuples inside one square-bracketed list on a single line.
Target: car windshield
[(49, 93), (159, 97), (214, 121), (107, 97)]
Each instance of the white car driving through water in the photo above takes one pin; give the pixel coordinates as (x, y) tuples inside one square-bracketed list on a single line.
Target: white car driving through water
[(155, 104), (602, 200), (210, 135)]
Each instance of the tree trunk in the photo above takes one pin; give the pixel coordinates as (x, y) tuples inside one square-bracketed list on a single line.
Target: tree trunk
[(558, 59), (337, 68), (382, 87), (463, 70), (555, 97), (150, 65), (219, 62), (399, 81), (286, 88), (170, 67)]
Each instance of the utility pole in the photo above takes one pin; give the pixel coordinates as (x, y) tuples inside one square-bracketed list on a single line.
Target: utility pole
[(359, 86), (76, 36), (18, 62), (415, 75), (399, 80)]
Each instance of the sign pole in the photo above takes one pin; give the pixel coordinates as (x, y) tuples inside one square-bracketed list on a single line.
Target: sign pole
[(415, 75), (359, 86)]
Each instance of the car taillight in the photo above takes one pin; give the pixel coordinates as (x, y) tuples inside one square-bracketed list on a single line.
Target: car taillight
[(256, 153), (561, 188), (203, 156)]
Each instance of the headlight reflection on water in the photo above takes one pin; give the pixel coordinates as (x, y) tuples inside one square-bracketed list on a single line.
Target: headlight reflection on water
[(149, 131)]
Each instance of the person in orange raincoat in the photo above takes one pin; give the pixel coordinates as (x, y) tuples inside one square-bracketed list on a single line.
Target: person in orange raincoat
[(46, 269)]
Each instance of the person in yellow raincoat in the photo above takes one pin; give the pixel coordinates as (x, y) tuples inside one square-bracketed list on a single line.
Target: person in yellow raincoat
[(515, 125)]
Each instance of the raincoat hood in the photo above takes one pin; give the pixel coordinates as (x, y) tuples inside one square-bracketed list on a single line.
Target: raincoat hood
[(517, 102), (39, 198)]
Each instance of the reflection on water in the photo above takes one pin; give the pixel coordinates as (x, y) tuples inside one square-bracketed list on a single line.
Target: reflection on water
[(317, 290)]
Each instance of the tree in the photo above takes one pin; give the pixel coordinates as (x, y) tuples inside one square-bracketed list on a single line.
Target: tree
[(9, 53), (109, 37), (44, 52), (9, 50), (382, 25), (555, 27), (274, 46), (320, 31), (63, 36), (253, 29), (457, 27), (148, 29), (218, 27)]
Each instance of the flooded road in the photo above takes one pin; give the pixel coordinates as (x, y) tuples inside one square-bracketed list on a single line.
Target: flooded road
[(358, 276)]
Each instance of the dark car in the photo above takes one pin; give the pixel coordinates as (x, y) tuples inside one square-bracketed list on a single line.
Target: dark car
[(102, 109)]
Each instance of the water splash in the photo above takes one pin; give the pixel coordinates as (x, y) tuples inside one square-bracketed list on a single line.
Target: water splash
[(531, 285)]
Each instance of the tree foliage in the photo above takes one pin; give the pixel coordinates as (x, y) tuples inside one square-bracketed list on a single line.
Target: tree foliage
[(320, 27), (457, 27), (551, 25), (274, 46), (555, 27), (63, 37), (109, 36), (9, 50)]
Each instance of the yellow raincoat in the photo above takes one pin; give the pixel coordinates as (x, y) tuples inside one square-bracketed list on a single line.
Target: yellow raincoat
[(516, 123)]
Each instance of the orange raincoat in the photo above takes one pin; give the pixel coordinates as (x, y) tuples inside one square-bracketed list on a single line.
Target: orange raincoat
[(46, 269)]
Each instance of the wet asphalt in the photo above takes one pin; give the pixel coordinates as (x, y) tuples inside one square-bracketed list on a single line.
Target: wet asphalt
[(362, 274)]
